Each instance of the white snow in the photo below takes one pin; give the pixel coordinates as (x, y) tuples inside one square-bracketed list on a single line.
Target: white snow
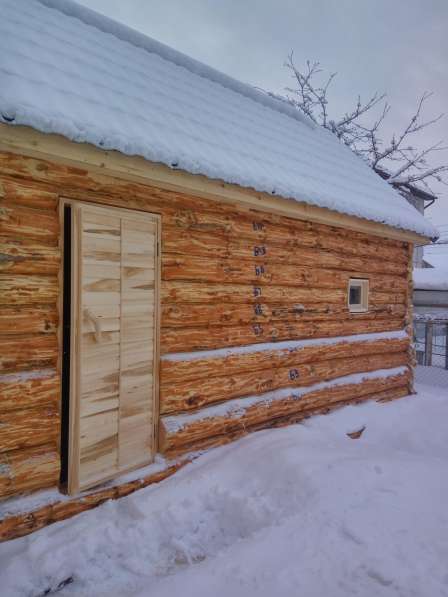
[(428, 278), (302, 510), (236, 408), (290, 345), (67, 70)]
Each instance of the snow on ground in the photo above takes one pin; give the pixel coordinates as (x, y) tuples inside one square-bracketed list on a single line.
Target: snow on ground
[(302, 510)]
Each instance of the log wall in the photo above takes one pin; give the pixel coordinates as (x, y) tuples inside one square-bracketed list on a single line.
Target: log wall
[(231, 277)]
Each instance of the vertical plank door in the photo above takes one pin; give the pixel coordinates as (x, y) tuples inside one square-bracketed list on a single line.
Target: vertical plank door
[(114, 351)]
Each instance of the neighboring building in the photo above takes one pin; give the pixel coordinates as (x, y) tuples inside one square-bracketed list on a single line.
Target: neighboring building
[(184, 260), (431, 291)]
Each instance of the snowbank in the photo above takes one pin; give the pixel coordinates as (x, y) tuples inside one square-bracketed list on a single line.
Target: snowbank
[(302, 510)]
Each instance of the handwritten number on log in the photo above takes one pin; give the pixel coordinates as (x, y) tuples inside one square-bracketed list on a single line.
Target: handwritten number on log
[(293, 374), (260, 250), (258, 309), (257, 225), (257, 291), (259, 270), (258, 329)]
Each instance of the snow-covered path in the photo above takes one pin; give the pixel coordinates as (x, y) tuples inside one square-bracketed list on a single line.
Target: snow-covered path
[(302, 510)]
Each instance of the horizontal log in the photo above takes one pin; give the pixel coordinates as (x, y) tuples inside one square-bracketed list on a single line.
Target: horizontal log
[(186, 315), (191, 267), (28, 290), (196, 394), (28, 352), (23, 256), (277, 230), (18, 222), (192, 432), (207, 338), (181, 372), (290, 419), (28, 469), (27, 194), (204, 292), (28, 427), (28, 319), (205, 244), (40, 387)]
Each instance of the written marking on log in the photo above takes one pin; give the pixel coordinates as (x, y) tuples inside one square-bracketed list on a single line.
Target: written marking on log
[(258, 225), (293, 374), (257, 291), (259, 251), (258, 309), (258, 329), (259, 270)]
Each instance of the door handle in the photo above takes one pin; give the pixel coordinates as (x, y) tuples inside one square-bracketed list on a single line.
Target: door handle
[(96, 322)]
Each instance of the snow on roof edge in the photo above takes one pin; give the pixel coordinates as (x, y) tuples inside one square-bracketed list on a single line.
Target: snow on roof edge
[(134, 37)]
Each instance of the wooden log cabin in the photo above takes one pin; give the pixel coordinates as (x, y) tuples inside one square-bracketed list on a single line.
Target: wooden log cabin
[(184, 259)]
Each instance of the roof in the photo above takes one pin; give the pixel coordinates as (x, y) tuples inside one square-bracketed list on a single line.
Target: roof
[(67, 70), (430, 279)]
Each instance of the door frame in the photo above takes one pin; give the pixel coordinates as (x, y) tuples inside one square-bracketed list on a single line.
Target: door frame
[(72, 472)]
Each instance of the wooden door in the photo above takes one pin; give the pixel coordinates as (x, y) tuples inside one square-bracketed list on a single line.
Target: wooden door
[(114, 360)]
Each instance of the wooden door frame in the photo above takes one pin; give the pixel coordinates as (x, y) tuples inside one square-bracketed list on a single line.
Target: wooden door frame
[(73, 422)]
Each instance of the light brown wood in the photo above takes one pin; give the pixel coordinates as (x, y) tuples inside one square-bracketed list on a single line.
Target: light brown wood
[(183, 371), (196, 394), (190, 434), (24, 140), (34, 319), (28, 469), (29, 427), (115, 346), (209, 338), (28, 290), (28, 352), (31, 389)]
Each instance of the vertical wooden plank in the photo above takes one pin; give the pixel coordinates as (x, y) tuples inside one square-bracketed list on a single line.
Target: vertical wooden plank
[(138, 249)]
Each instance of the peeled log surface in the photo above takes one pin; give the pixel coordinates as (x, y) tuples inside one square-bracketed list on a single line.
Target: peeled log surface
[(204, 244), (208, 338), (27, 194), (23, 524), (28, 427), (29, 319), (192, 395), (30, 223), (262, 227), (28, 290), (29, 389), (28, 469), (203, 292), (185, 315), (28, 352), (21, 256), (210, 269), (180, 371), (290, 419), (192, 434)]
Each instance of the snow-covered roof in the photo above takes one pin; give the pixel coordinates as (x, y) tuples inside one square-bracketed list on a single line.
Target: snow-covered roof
[(429, 278), (68, 70)]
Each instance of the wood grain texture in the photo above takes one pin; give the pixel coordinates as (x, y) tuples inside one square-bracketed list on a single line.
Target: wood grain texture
[(29, 427), (194, 395), (26, 469), (33, 389), (28, 352), (190, 434), (34, 319), (182, 371), (209, 338), (22, 256)]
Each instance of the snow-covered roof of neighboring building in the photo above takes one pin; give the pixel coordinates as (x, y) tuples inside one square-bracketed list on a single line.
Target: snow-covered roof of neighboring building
[(65, 69), (430, 278)]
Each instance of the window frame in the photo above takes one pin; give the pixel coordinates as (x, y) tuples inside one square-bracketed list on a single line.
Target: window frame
[(363, 284)]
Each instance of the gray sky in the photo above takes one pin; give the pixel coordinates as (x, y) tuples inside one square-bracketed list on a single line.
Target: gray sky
[(400, 48)]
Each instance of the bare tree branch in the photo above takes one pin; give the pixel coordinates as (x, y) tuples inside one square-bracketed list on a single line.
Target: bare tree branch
[(399, 159)]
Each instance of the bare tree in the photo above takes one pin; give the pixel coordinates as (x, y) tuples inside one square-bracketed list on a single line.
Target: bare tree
[(397, 160)]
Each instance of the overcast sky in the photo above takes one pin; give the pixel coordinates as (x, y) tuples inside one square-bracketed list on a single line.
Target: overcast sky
[(400, 48)]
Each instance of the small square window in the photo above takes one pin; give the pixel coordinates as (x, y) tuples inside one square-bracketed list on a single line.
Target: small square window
[(358, 295)]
